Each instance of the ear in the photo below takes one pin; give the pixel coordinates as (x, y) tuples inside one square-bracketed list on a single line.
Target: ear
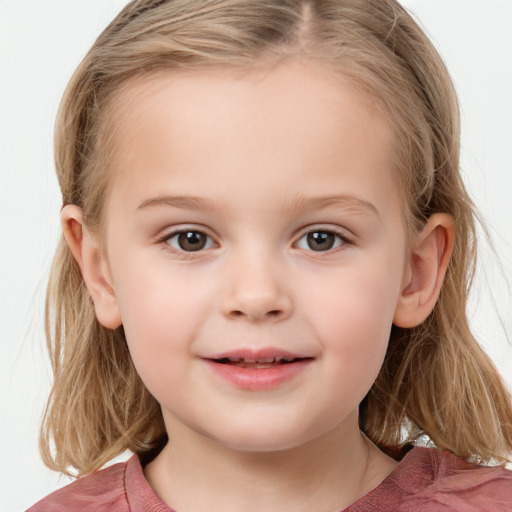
[(93, 265), (426, 267)]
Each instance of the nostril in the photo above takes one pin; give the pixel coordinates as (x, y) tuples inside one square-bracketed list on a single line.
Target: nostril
[(236, 313)]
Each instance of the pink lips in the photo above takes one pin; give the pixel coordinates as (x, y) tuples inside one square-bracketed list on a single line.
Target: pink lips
[(257, 370)]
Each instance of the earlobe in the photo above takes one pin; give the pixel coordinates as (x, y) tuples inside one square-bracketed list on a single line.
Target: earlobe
[(426, 268), (93, 265)]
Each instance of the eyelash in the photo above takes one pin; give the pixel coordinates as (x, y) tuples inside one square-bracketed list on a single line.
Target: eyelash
[(176, 234), (342, 237), (343, 240)]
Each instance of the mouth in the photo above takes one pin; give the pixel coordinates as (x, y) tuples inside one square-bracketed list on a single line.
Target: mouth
[(255, 363), (258, 370)]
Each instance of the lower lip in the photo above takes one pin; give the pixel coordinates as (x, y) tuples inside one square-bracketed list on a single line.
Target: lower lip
[(258, 379)]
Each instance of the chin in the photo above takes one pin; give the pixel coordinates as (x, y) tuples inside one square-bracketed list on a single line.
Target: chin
[(262, 445), (266, 439)]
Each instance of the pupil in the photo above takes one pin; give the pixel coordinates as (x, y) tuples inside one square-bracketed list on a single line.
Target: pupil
[(191, 241), (320, 240)]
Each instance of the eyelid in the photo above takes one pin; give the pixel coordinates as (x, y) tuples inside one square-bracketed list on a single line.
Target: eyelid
[(345, 236), (174, 231)]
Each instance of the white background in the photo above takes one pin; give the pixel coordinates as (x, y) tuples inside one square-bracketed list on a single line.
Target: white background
[(42, 41)]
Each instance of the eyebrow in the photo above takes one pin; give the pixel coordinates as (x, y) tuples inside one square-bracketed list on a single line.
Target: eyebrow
[(345, 201), (297, 204), (182, 202)]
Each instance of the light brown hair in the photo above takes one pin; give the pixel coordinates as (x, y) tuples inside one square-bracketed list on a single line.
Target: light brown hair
[(435, 381)]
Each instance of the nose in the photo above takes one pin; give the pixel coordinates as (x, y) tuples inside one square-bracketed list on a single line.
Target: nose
[(256, 291)]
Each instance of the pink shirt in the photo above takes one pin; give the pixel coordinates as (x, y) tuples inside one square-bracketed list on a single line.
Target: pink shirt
[(424, 480)]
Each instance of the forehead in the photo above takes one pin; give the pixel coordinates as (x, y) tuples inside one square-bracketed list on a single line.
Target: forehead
[(298, 122)]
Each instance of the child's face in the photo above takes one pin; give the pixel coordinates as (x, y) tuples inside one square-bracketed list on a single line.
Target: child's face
[(296, 248)]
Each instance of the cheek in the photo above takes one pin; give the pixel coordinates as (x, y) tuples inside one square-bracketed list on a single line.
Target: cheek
[(352, 316), (160, 314), (159, 330), (356, 300)]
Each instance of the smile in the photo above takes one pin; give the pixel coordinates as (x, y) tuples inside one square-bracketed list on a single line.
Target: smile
[(268, 362), (259, 370)]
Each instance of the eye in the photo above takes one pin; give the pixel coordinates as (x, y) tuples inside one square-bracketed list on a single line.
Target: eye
[(189, 241), (321, 240)]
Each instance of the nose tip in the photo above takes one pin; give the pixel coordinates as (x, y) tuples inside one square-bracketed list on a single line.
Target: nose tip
[(256, 286), (257, 300)]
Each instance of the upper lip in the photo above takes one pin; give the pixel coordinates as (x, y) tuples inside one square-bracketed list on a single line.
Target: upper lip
[(260, 355)]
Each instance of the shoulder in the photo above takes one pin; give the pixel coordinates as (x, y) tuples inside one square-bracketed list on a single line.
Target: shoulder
[(118, 488), (428, 479), (99, 491), (453, 484)]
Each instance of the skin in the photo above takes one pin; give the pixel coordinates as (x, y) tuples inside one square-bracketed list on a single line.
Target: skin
[(263, 160)]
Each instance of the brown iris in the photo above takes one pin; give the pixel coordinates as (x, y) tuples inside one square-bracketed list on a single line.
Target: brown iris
[(192, 241), (321, 240)]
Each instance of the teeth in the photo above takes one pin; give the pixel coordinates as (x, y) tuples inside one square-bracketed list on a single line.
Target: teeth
[(263, 360)]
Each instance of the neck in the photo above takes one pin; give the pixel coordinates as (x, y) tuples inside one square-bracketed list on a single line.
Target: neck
[(326, 474)]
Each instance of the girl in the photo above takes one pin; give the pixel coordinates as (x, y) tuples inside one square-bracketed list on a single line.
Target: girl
[(263, 283)]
